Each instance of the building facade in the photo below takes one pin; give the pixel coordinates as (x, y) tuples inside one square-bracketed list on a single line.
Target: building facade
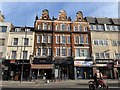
[(105, 45), (5, 27), (19, 48), (61, 45)]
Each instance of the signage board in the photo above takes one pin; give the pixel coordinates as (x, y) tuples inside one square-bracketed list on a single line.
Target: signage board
[(83, 63)]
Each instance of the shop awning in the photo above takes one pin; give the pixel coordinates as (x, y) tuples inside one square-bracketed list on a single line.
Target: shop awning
[(41, 66)]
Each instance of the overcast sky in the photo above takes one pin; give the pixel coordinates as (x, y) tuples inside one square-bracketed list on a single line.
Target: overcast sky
[(23, 13)]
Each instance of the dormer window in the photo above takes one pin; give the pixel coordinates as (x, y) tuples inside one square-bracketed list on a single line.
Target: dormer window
[(17, 29)]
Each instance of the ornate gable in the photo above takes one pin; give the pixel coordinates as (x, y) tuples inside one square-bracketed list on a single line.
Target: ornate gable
[(79, 16), (62, 15), (45, 15)]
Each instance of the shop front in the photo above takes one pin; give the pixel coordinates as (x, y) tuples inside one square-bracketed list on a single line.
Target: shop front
[(117, 69), (83, 69), (106, 67), (63, 68), (13, 69), (41, 68)]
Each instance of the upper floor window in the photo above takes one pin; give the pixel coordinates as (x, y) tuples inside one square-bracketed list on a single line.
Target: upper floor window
[(81, 39), (44, 26), (2, 41), (81, 52), (75, 28), (38, 38), (101, 27), (57, 27), (39, 52), (69, 51), (44, 53), (76, 39), (13, 55), (44, 39), (39, 27), (63, 27), (26, 41), (91, 27), (85, 28), (114, 43), (49, 39), (102, 55), (49, 27), (117, 55), (17, 29), (96, 42), (57, 52), (101, 42), (116, 28), (57, 39), (80, 27), (27, 29), (68, 27), (97, 55), (86, 39), (15, 41), (25, 53), (68, 39), (4, 28), (49, 51), (106, 42), (63, 51), (63, 39)]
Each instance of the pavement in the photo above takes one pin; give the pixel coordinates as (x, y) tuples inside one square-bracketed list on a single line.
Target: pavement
[(55, 84)]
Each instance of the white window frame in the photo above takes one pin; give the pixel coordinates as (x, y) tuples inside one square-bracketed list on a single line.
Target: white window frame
[(57, 53), (85, 28), (75, 28), (68, 39), (82, 38), (57, 39), (39, 27), (80, 28), (69, 53), (49, 51), (38, 38), (49, 39)]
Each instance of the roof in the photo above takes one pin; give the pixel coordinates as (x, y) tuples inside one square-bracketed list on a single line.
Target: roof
[(103, 21), (90, 20), (116, 21)]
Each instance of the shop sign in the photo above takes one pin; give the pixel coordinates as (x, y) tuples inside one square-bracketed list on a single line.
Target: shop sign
[(83, 63), (101, 64), (12, 61)]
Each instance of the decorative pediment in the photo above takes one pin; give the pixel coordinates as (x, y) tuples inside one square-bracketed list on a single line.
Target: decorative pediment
[(45, 15), (79, 16), (62, 15)]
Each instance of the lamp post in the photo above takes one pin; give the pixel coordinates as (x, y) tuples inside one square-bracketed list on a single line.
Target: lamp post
[(23, 56)]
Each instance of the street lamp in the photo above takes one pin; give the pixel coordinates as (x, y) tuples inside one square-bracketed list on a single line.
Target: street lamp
[(23, 56)]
